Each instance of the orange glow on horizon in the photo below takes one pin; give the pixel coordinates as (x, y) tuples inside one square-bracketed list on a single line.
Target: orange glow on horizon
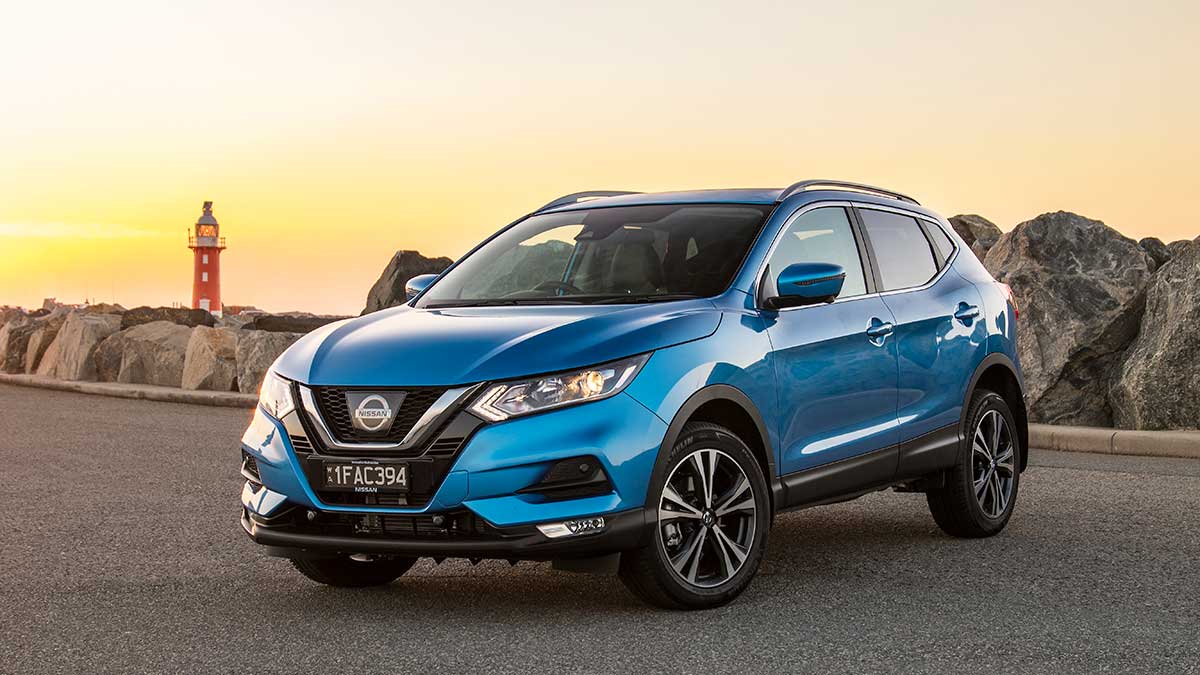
[(330, 136)]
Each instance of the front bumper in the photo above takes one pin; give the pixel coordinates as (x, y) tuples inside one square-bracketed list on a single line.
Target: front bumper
[(622, 531), (489, 476)]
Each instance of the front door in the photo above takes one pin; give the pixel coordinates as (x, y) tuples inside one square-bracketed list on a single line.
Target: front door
[(835, 363)]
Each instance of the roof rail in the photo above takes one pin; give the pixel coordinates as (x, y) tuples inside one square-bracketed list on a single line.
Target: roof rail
[(577, 197), (855, 187)]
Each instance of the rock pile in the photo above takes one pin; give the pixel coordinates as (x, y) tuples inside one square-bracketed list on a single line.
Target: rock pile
[(163, 346), (1106, 337)]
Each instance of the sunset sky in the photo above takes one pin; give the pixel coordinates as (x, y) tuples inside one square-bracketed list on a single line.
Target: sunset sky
[(331, 134)]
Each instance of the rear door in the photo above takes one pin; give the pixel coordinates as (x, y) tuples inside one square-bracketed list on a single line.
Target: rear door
[(939, 331), (835, 363)]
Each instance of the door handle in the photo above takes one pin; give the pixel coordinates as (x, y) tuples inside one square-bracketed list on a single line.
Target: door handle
[(966, 313), (879, 329)]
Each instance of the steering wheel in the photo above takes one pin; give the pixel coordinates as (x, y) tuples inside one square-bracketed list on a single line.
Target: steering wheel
[(559, 286)]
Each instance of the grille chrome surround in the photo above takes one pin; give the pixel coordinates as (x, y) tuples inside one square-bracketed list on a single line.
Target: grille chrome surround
[(436, 411)]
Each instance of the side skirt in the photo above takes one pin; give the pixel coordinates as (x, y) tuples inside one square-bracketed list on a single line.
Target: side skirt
[(844, 479), (853, 477), (928, 453)]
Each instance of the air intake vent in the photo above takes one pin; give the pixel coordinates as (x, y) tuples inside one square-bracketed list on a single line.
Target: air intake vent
[(445, 446), (301, 444), (250, 468)]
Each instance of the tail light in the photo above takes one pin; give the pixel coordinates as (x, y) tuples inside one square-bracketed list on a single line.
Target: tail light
[(1012, 299)]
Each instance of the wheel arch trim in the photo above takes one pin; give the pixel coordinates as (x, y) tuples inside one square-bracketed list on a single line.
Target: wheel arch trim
[(1020, 413), (709, 394)]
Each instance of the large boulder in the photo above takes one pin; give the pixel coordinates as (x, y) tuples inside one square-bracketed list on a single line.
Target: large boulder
[(10, 313), (1157, 386), (45, 331), (256, 351), (291, 323), (69, 357), (151, 353), (234, 321), (14, 341), (108, 356), (105, 308), (1176, 247), (7, 337), (177, 315), (980, 233), (1156, 249), (1081, 289), (388, 291), (211, 359)]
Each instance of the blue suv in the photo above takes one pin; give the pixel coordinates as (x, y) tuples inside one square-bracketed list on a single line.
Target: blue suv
[(638, 383)]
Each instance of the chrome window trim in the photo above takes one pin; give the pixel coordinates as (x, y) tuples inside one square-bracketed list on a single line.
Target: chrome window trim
[(858, 205), (446, 402)]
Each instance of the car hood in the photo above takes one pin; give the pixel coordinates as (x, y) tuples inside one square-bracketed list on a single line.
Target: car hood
[(402, 346)]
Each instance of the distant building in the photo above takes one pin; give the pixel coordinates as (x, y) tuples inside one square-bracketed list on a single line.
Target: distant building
[(206, 243)]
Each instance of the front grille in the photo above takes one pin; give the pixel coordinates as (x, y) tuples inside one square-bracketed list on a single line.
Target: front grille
[(429, 460), (336, 411), (461, 525)]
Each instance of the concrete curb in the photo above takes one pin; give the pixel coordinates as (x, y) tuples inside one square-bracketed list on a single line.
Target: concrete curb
[(1115, 441), (137, 391)]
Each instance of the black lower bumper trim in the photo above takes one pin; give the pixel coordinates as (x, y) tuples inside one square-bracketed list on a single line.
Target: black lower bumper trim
[(622, 531)]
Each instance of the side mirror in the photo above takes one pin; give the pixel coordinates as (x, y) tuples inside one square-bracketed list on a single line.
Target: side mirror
[(414, 286), (807, 283)]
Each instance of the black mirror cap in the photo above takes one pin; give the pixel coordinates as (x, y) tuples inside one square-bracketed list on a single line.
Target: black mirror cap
[(779, 302)]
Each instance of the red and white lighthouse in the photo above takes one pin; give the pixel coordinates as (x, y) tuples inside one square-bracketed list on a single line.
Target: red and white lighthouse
[(206, 243)]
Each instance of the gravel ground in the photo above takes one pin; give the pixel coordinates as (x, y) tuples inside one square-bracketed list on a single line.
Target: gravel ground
[(122, 553)]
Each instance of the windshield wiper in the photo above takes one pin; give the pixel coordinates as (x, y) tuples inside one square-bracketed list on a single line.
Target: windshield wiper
[(502, 302), (640, 299)]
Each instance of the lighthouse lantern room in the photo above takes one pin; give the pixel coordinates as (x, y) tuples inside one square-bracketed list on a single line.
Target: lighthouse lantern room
[(206, 243)]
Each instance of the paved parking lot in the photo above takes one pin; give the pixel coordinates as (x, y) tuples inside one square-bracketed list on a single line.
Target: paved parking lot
[(121, 552)]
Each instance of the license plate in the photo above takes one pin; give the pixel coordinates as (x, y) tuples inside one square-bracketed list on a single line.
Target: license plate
[(366, 476)]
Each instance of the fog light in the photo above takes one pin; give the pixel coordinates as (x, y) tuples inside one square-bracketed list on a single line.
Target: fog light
[(571, 528)]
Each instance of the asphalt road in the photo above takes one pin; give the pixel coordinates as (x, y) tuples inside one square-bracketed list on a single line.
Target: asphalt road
[(121, 552)]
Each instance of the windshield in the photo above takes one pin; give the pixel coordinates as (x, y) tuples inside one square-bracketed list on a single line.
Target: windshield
[(617, 254)]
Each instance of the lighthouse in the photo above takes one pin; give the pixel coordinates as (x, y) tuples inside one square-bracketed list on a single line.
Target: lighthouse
[(206, 243)]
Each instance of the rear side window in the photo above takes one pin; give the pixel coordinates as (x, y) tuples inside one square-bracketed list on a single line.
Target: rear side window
[(904, 255), (941, 241)]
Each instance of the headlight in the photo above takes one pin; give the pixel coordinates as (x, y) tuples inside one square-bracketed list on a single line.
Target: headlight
[(275, 396), (522, 397)]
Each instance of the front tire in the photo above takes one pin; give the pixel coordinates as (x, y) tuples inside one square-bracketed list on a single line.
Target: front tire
[(348, 572), (981, 490), (712, 514)]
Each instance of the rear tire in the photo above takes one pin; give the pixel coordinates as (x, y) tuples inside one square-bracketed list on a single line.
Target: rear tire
[(346, 572), (712, 511), (980, 492)]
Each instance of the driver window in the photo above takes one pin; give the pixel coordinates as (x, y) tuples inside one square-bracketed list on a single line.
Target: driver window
[(822, 235)]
